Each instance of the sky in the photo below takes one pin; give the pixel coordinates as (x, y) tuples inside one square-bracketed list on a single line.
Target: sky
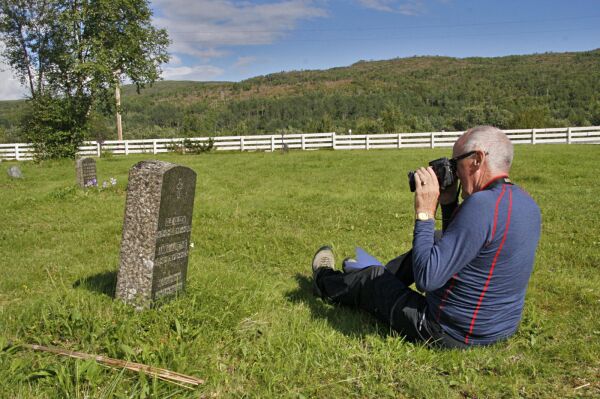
[(232, 40)]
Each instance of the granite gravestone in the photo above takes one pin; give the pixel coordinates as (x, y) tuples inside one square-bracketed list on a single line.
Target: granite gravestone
[(15, 173), (156, 232), (86, 172)]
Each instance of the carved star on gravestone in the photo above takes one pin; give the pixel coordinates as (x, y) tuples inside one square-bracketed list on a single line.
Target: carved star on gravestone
[(156, 233)]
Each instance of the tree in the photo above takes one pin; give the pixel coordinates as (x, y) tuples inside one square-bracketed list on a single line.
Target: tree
[(77, 52), (530, 118)]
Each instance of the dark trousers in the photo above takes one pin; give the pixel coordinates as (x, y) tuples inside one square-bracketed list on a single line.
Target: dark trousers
[(384, 292)]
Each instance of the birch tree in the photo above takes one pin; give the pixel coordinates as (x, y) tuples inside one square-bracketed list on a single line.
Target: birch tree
[(77, 53)]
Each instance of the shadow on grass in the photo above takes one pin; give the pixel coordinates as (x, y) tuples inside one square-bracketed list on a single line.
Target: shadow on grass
[(103, 283), (349, 321)]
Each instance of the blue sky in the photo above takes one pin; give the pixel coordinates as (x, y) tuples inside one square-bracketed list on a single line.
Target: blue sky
[(231, 40)]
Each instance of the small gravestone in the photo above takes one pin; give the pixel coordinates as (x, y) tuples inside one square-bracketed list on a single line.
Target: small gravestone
[(86, 172), (156, 232), (15, 172)]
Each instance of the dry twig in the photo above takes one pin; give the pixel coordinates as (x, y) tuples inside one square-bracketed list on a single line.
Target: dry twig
[(583, 386), (163, 374)]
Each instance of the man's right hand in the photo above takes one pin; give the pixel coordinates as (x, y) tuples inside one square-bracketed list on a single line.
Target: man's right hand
[(449, 195)]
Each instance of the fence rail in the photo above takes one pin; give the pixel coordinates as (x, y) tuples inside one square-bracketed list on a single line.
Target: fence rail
[(313, 141)]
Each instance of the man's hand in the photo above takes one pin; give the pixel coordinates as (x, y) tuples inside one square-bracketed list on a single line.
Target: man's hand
[(427, 191), (448, 196)]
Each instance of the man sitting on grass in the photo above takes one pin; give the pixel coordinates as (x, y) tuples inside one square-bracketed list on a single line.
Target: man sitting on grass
[(474, 277)]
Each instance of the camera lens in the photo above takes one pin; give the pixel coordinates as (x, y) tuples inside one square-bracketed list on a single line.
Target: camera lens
[(411, 181)]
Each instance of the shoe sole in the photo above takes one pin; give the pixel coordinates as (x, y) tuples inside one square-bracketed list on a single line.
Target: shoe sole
[(323, 248)]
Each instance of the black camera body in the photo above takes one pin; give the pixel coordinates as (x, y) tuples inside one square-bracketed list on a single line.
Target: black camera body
[(445, 170)]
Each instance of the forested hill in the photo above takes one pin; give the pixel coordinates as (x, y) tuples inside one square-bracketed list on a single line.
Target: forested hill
[(399, 95)]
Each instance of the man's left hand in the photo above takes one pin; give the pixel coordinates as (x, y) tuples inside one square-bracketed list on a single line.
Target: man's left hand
[(427, 191)]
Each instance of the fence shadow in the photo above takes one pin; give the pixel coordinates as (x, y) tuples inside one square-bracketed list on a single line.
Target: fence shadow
[(350, 322), (103, 283)]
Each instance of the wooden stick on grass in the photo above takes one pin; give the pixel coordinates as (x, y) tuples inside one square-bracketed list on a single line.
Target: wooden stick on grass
[(164, 374)]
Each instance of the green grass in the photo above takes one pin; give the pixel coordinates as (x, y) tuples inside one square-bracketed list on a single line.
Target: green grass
[(249, 324)]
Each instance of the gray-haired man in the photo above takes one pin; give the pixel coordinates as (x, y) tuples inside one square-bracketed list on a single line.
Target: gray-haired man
[(475, 276)]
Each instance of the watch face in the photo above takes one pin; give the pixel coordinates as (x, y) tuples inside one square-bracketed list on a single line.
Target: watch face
[(422, 216)]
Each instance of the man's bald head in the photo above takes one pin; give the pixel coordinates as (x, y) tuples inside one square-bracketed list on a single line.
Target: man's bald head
[(490, 140)]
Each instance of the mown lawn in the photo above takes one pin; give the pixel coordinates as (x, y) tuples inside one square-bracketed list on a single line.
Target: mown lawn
[(249, 324)]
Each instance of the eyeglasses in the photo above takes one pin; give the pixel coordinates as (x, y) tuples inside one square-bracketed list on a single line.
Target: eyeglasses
[(463, 156)]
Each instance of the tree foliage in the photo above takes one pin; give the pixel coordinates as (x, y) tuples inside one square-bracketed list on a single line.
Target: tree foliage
[(72, 54), (55, 126)]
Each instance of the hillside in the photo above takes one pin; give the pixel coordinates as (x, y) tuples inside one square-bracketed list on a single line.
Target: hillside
[(404, 94)]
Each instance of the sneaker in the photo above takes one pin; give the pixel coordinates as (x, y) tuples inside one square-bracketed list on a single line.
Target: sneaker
[(322, 259), (349, 265)]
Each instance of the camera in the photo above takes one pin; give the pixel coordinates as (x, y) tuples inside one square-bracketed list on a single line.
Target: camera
[(445, 170)]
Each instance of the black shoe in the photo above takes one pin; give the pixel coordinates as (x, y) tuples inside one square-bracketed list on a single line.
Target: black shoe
[(349, 265), (323, 259)]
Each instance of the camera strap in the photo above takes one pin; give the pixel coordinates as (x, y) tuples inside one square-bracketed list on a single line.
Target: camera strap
[(496, 182)]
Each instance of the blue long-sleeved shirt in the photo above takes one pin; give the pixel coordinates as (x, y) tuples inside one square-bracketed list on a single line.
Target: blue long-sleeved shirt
[(476, 275)]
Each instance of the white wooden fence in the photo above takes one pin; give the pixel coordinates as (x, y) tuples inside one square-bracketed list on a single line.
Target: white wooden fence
[(314, 141)]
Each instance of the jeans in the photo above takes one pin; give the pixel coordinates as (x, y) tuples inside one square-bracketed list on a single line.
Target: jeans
[(384, 292)]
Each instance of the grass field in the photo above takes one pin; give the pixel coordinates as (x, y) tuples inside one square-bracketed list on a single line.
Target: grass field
[(249, 324)]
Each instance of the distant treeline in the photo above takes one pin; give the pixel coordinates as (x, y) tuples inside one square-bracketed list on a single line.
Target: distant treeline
[(399, 95)]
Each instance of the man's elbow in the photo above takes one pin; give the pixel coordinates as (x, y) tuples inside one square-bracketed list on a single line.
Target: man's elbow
[(425, 280), (426, 284)]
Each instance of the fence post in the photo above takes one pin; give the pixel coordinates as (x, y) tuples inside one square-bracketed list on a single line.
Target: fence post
[(272, 143), (126, 148), (98, 149), (367, 143), (302, 142), (242, 143), (569, 136), (17, 155), (432, 140), (399, 140), (333, 141), (533, 140)]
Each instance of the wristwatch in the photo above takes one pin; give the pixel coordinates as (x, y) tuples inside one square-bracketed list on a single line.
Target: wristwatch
[(423, 216)]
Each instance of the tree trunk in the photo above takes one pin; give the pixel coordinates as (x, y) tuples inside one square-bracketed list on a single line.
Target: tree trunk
[(118, 113), (26, 61)]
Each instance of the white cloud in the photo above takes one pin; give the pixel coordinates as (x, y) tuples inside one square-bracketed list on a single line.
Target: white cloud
[(197, 72), (10, 88), (202, 28), (174, 60), (414, 7), (404, 7), (244, 61), (379, 5), (207, 53)]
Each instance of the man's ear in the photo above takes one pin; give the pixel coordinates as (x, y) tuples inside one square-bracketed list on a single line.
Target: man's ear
[(478, 159)]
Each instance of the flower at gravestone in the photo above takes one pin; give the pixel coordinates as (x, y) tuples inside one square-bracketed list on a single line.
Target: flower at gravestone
[(91, 183), (191, 245), (111, 182)]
